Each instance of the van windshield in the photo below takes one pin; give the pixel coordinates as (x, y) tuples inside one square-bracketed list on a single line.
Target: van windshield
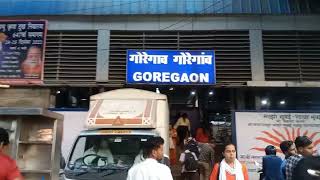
[(100, 151)]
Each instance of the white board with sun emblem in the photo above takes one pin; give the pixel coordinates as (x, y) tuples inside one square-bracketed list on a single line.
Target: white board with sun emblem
[(256, 130)]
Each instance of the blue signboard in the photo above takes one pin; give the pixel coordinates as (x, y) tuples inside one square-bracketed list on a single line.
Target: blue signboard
[(170, 67)]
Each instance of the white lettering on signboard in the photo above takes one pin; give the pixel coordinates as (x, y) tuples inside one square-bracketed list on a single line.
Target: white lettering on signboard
[(19, 35), (168, 77), (175, 77), (35, 26), (35, 34), (24, 41), (147, 76), (36, 42), (187, 59), (165, 77), (21, 27), (184, 78), (144, 58), (12, 27), (137, 76)]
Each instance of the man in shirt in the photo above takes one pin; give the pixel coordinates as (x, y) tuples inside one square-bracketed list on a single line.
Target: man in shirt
[(151, 169), (288, 149), (304, 148), (100, 148), (8, 167), (206, 159)]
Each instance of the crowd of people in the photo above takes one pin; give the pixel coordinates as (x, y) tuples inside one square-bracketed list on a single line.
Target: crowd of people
[(197, 159), (197, 155), (299, 163), (198, 162)]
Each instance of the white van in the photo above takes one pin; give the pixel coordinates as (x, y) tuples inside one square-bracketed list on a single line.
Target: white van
[(118, 124)]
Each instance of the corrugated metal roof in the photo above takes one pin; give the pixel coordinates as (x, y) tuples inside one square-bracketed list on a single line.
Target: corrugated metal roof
[(126, 7)]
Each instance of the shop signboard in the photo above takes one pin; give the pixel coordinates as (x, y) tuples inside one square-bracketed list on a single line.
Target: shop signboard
[(22, 45), (170, 67), (256, 130)]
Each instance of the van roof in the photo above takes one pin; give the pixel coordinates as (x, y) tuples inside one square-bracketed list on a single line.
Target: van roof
[(128, 93), (119, 132)]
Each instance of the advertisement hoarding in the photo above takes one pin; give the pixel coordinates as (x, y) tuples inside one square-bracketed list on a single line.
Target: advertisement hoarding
[(256, 130), (22, 45)]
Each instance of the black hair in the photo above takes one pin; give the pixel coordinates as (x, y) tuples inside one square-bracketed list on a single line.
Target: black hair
[(302, 141), (184, 116), (228, 144), (4, 136), (192, 146), (285, 146), (270, 150), (152, 143)]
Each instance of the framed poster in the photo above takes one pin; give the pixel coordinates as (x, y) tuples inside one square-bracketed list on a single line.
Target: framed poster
[(22, 46)]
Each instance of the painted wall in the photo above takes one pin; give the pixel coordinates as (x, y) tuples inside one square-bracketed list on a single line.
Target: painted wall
[(74, 122)]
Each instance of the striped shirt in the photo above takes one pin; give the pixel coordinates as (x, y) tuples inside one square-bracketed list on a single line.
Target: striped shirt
[(292, 162)]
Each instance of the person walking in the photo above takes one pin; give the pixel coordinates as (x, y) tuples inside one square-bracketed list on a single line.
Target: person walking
[(271, 164), (288, 149), (229, 168), (183, 127), (189, 161), (8, 167), (206, 159), (172, 145), (150, 168), (202, 135), (304, 148)]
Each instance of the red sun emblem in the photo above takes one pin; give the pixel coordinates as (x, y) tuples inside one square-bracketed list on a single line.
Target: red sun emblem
[(275, 137)]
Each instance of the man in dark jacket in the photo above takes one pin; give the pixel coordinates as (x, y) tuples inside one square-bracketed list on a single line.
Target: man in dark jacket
[(307, 169), (271, 164)]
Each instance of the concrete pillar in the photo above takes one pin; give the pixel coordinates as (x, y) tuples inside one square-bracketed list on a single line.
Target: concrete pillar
[(103, 47), (256, 55)]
